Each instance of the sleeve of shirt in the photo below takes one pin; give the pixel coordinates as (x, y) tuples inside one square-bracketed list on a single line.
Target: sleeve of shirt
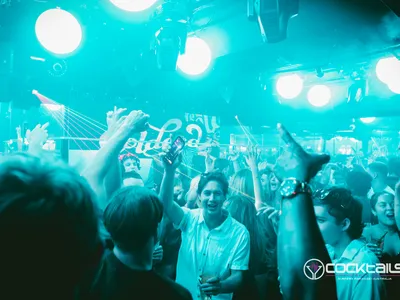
[(187, 220), (242, 255), (368, 287)]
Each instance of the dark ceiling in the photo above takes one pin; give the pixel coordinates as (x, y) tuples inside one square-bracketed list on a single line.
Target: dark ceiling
[(114, 66)]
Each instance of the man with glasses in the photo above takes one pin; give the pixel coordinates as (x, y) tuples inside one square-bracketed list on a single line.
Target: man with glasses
[(339, 217)]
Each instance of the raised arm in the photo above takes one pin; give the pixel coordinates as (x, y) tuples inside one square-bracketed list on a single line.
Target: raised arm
[(96, 171), (252, 161), (299, 238), (173, 211), (37, 138)]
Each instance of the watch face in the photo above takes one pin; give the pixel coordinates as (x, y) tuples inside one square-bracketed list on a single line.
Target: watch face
[(288, 188)]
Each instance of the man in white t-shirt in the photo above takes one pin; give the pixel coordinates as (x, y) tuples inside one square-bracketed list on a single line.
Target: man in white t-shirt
[(379, 173), (215, 248)]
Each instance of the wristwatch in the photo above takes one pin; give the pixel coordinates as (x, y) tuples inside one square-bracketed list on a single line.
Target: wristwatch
[(291, 187)]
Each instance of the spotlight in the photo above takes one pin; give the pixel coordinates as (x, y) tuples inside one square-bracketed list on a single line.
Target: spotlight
[(289, 86), (58, 31), (319, 95), (368, 120), (197, 57), (172, 35), (133, 5), (388, 70)]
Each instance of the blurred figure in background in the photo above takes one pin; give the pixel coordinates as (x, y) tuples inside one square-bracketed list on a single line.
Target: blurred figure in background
[(359, 183), (379, 173)]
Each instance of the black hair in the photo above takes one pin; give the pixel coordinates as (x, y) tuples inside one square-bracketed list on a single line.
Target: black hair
[(359, 182), (132, 217), (49, 227), (213, 176), (131, 174), (379, 167), (342, 205)]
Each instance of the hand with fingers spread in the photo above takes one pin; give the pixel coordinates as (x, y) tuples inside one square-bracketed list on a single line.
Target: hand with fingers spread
[(38, 136), (295, 162), (252, 157)]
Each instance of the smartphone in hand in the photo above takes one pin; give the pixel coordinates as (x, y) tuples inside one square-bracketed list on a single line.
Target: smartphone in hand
[(175, 150)]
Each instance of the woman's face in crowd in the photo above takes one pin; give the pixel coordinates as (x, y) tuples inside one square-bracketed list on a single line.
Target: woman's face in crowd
[(384, 210), (331, 230), (130, 165), (264, 182), (274, 182), (212, 198)]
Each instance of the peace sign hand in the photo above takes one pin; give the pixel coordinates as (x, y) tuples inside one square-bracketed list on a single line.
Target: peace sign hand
[(295, 162)]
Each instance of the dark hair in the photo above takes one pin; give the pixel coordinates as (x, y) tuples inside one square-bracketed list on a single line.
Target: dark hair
[(342, 205), (221, 164), (132, 174), (359, 182), (48, 227), (375, 198), (132, 217), (213, 176), (379, 167)]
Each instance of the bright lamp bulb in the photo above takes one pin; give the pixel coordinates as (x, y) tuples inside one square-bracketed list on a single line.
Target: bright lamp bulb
[(58, 31), (319, 95), (197, 57), (388, 70), (289, 86), (133, 5), (368, 120)]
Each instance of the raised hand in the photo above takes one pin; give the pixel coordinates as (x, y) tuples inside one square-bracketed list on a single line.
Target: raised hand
[(252, 157), (135, 122), (38, 136), (295, 162), (114, 116)]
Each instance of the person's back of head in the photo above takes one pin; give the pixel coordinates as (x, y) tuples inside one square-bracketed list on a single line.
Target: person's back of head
[(242, 184), (378, 169), (132, 217), (359, 182), (48, 228)]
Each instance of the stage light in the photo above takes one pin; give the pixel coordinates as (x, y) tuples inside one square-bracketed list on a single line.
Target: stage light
[(319, 95), (58, 31), (368, 120), (388, 70), (53, 107), (289, 86), (395, 87), (197, 57), (133, 5)]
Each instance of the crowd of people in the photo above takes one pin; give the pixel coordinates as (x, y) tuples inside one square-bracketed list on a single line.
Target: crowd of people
[(244, 229)]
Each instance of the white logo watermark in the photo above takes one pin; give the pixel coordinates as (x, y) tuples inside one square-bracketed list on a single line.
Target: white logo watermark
[(314, 269)]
